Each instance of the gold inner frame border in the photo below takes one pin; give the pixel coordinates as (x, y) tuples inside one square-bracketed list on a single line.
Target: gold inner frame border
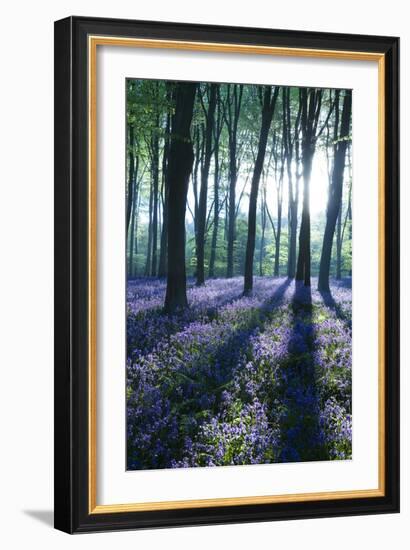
[(93, 42)]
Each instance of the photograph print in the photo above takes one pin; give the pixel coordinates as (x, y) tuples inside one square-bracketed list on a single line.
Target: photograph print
[(239, 271)]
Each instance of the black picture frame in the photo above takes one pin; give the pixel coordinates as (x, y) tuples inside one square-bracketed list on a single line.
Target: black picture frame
[(72, 276)]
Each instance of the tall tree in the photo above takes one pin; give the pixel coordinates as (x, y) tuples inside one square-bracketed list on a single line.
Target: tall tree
[(268, 98), (179, 169), (136, 220), (155, 177), (263, 224), (148, 265), (336, 187), (134, 214), (162, 265), (278, 153), (131, 173), (339, 243), (217, 171), (232, 111), (209, 113), (198, 142), (291, 151), (341, 228), (311, 100)]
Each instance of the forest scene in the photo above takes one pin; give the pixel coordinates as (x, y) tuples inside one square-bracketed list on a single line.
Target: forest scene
[(239, 269)]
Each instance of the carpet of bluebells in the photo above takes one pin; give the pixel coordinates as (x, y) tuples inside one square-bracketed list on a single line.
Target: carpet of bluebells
[(238, 380)]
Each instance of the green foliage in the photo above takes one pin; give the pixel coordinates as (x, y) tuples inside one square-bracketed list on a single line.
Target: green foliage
[(150, 105)]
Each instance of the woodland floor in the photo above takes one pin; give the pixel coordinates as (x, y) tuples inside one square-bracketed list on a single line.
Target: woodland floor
[(238, 380)]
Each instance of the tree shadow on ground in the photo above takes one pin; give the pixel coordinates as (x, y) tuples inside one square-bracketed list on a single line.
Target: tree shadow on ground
[(200, 384), (240, 338), (302, 439), (334, 306), (147, 329), (278, 296), (153, 325)]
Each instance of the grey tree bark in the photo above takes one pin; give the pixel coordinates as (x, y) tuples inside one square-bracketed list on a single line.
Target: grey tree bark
[(268, 108), (179, 169)]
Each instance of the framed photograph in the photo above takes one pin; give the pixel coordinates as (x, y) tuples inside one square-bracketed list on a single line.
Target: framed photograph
[(226, 274)]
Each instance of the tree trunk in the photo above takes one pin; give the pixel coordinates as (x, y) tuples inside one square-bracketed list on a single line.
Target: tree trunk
[(291, 145), (203, 193), (131, 172), (133, 223), (155, 182), (138, 203), (226, 218), (162, 266), (278, 235), (311, 100), (162, 269), (335, 192), (293, 229), (348, 214), (303, 267), (232, 113), (293, 221), (149, 244), (197, 161), (179, 169), (263, 224), (268, 107), (339, 242), (131, 242), (231, 216), (214, 240)]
